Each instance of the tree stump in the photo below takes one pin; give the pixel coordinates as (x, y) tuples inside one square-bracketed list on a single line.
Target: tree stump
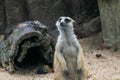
[(110, 19), (27, 45)]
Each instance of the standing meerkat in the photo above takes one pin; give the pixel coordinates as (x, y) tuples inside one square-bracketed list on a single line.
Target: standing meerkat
[(69, 63)]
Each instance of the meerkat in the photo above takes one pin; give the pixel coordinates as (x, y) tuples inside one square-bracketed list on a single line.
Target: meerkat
[(69, 62)]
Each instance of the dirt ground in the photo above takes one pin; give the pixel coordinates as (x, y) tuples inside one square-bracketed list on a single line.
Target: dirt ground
[(106, 67)]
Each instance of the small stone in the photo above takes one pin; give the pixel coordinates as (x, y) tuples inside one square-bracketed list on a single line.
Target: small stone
[(98, 55), (41, 70)]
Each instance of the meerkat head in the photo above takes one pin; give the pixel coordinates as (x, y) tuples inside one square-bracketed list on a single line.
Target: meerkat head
[(65, 22)]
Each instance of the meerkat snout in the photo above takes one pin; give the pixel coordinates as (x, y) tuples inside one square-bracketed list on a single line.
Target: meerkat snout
[(62, 24)]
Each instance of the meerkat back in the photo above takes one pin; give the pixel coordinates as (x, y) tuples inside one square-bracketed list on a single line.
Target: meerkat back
[(69, 62)]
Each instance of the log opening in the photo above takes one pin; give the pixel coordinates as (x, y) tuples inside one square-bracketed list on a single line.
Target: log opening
[(32, 58), (28, 46)]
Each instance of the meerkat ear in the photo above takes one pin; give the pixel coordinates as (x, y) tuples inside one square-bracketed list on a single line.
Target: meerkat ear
[(74, 23), (73, 20)]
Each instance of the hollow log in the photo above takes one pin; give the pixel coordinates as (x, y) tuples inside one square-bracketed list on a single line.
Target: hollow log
[(27, 46)]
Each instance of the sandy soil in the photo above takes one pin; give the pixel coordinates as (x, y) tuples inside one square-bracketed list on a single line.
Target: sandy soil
[(106, 67)]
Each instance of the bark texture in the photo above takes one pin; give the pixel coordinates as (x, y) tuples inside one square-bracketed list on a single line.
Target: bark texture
[(110, 17), (47, 11), (28, 44)]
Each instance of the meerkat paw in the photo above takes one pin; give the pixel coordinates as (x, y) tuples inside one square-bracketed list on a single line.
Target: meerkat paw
[(65, 72), (79, 70), (64, 68)]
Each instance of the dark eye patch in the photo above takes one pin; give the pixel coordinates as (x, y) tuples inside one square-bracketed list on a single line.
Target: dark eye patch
[(67, 20), (59, 19)]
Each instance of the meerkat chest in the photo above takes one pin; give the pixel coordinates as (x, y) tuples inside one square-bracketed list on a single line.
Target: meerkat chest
[(70, 50)]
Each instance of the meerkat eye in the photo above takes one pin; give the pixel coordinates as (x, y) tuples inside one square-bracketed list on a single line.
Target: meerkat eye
[(67, 20), (59, 19)]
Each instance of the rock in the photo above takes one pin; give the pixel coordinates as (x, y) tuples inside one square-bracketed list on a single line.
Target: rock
[(15, 11), (98, 55), (42, 70), (46, 11), (2, 17), (87, 28)]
